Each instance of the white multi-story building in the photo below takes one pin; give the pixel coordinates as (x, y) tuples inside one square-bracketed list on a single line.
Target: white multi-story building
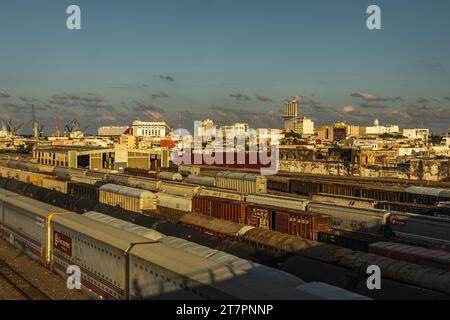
[(149, 129), (376, 129), (293, 121), (303, 126), (416, 134)]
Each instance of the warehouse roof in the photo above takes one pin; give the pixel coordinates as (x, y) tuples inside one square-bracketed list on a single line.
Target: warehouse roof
[(436, 192)]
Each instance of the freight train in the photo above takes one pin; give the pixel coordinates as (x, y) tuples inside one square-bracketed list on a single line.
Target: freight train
[(118, 264), (305, 252), (294, 222)]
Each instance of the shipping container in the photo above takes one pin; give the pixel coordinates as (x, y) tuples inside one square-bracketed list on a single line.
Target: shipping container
[(174, 202), (278, 201), (127, 198), (220, 208)]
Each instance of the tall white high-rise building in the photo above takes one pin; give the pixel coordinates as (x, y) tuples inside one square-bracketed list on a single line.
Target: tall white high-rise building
[(293, 121)]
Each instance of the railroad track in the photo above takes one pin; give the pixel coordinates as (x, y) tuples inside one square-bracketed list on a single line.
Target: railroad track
[(22, 285)]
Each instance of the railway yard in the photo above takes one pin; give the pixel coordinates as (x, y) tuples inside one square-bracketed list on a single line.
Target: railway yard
[(311, 232)]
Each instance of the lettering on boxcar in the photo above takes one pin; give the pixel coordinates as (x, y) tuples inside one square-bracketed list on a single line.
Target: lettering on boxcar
[(62, 242)]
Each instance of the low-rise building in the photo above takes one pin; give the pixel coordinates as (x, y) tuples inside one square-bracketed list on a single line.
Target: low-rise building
[(149, 129)]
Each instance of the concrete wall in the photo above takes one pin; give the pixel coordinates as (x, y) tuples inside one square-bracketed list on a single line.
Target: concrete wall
[(428, 170)]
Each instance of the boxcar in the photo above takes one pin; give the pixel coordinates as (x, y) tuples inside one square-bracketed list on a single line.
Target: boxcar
[(432, 229), (345, 200), (351, 218), (302, 224), (179, 189), (242, 182), (220, 208), (55, 184), (144, 183), (128, 198), (278, 201), (222, 193), (174, 202)]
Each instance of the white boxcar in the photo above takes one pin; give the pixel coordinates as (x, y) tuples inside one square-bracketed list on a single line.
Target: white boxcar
[(144, 183), (351, 218), (242, 182), (179, 189), (278, 201), (174, 202), (127, 198)]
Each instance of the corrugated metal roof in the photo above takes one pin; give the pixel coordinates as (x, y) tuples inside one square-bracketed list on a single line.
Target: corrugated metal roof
[(436, 192), (124, 225)]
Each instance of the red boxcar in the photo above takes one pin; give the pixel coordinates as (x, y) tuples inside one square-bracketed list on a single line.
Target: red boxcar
[(260, 216), (220, 208), (302, 224)]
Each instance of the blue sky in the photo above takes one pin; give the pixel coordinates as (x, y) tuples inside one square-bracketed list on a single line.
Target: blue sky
[(229, 60)]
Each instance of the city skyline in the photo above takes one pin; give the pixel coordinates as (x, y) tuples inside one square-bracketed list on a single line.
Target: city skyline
[(231, 62)]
